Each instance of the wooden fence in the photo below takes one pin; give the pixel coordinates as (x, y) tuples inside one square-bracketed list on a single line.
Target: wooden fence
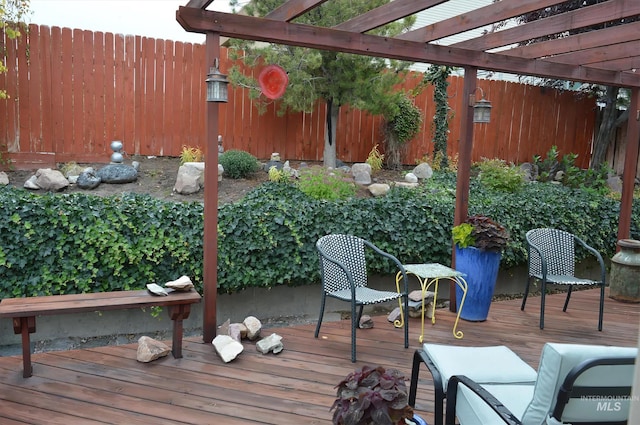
[(72, 92)]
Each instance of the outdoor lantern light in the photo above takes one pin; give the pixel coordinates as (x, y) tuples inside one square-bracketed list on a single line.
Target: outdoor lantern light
[(216, 84), (481, 109)]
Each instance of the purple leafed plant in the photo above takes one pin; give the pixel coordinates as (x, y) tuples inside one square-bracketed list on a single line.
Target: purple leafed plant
[(371, 396)]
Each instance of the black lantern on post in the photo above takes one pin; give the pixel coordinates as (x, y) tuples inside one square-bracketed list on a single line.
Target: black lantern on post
[(481, 109), (216, 84)]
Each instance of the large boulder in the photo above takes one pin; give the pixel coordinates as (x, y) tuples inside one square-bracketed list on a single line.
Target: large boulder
[(88, 179), (190, 178), (423, 171), (117, 173), (51, 180)]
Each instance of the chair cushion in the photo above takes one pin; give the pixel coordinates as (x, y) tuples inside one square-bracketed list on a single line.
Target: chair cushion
[(556, 361), (485, 365), (471, 409)]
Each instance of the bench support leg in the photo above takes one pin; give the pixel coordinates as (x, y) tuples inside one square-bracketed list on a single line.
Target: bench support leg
[(178, 313), (25, 326)]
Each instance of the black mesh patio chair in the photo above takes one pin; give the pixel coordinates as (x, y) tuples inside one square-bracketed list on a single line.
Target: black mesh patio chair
[(343, 270), (552, 259)]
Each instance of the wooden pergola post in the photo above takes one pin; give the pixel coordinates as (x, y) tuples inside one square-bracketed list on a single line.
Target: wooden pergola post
[(630, 165), (210, 244), (464, 165)]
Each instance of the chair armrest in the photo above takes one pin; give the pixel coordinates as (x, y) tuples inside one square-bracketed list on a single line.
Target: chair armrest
[(595, 254), (392, 258), (452, 392)]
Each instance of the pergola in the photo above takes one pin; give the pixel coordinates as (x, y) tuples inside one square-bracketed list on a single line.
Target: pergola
[(609, 56)]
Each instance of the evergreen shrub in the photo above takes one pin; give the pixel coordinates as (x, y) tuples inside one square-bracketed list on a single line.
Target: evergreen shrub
[(238, 164)]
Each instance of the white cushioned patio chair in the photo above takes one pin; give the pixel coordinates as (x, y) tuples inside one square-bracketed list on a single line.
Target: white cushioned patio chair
[(343, 269), (477, 363), (551, 259), (576, 384)]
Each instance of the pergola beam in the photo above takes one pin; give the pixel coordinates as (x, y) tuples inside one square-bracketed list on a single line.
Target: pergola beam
[(267, 30), (586, 40), (612, 10), (393, 11), (292, 9), (476, 18)]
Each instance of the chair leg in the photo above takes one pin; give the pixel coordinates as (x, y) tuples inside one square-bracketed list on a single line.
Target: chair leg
[(542, 299), (422, 357), (415, 371), (601, 306), (355, 320), (566, 301), (324, 297), (406, 321), (526, 293), (360, 313)]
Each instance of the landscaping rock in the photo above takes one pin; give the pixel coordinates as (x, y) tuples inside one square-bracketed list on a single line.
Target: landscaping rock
[(190, 178), (51, 180), (227, 348), (366, 322), (379, 189), (394, 315), (31, 183), (530, 171), (117, 173), (411, 178), (4, 178), (236, 330), (254, 326), (149, 349), (417, 295), (362, 178), (360, 167), (88, 179), (271, 343), (423, 171), (267, 166)]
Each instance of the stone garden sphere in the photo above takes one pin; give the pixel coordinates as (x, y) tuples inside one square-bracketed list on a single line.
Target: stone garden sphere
[(116, 157), (116, 146)]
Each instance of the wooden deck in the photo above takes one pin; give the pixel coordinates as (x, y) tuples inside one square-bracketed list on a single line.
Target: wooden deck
[(108, 385)]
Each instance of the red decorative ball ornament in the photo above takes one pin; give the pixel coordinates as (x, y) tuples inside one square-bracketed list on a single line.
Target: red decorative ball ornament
[(273, 81)]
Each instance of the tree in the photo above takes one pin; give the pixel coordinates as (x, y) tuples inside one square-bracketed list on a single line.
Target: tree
[(12, 15), (334, 78), (611, 97)]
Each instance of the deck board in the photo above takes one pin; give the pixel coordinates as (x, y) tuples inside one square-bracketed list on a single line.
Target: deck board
[(107, 384)]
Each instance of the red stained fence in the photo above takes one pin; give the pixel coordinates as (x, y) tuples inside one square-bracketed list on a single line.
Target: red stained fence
[(72, 92)]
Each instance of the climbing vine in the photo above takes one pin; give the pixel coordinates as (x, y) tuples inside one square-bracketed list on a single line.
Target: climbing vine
[(438, 76), (401, 125)]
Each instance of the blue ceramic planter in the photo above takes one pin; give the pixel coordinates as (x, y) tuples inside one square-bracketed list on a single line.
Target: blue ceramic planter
[(417, 420), (481, 270)]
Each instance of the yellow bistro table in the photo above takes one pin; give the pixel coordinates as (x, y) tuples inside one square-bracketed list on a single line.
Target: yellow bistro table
[(428, 275)]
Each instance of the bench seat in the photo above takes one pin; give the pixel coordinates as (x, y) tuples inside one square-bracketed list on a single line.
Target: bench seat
[(23, 311)]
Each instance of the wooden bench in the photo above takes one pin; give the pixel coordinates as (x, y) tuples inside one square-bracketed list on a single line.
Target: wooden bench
[(23, 311)]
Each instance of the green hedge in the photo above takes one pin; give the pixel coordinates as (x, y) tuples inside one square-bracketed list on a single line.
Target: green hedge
[(52, 244)]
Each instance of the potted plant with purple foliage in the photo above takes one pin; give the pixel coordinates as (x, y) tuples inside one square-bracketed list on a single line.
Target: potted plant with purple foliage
[(373, 396), (479, 242)]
